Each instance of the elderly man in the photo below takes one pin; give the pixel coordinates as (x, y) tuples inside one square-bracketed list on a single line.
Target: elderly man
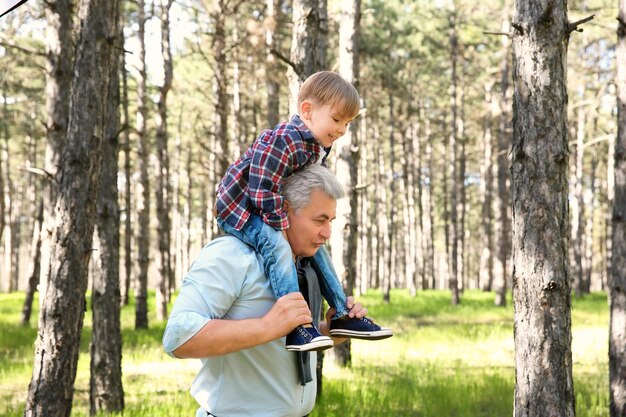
[(227, 315)]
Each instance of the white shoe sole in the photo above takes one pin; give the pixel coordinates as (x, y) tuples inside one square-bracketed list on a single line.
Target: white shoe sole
[(376, 335), (320, 343)]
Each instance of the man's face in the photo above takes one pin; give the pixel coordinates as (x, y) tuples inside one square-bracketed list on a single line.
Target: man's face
[(310, 228)]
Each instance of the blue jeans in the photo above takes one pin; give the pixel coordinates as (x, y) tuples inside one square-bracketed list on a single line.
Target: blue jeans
[(279, 266)]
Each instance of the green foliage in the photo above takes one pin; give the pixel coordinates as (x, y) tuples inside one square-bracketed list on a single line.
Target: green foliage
[(444, 360)]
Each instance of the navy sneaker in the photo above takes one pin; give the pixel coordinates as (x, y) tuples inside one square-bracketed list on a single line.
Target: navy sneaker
[(358, 328), (304, 338)]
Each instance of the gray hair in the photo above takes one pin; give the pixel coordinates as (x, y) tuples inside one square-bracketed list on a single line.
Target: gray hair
[(299, 185)]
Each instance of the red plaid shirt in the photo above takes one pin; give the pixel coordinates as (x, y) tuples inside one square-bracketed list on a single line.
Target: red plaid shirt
[(255, 181)]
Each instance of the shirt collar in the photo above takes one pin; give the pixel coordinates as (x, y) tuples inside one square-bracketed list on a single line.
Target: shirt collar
[(304, 131)]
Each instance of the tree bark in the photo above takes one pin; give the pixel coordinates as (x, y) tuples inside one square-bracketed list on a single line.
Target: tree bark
[(429, 216), (383, 274), (541, 281), (220, 91), (59, 50), (308, 55), (617, 277), (389, 240), (502, 228), (50, 391), (128, 228), (8, 213), (143, 195), (163, 187), (271, 66), (308, 44), (3, 172), (33, 267), (486, 185), (345, 226), (106, 392), (453, 280), (577, 205)]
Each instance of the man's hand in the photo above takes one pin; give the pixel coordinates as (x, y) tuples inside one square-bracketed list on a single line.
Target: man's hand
[(288, 312), (220, 336)]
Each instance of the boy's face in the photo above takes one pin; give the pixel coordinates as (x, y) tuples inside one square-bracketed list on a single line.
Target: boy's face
[(326, 123)]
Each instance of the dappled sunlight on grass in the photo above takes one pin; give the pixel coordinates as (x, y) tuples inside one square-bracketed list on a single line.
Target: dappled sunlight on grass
[(443, 361)]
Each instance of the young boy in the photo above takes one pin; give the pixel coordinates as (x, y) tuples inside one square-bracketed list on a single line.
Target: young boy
[(250, 206)]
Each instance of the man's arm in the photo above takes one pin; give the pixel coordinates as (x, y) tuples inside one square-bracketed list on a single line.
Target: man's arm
[(219, 337)]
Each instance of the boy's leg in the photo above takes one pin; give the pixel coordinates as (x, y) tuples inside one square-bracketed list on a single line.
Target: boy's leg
[(329, 282), (278, 262), (341, 325), (280, 270)]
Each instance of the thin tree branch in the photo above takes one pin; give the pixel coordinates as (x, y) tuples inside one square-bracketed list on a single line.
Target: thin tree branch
[(574, 26), (22, 49), (39, 171), (508, 35), (286, 60)]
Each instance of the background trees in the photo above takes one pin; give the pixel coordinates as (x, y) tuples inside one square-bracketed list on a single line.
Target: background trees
[(427, 72), (427, 165)]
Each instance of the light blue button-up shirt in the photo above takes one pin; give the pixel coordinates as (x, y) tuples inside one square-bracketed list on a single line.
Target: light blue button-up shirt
[(227, 282)]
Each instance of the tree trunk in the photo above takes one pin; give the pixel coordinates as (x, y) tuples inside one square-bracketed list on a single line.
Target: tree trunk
[(345, 226), (610, 163), (617, 277), (128, 228), (106, 393), (429, 215), (61, 320), (502, 230), (365, 225), (463, 232), (163, 187), (220, 91), (8, 214), (383, 274), (412, 225), (577, 205), (308, 55), (33, 267), (271, 66), (590, 224), (541, 285), (419, 240), (143, 195), (453, 279), (3, 171), (308, 44), (390, 241), (486, 186), (59, 50)]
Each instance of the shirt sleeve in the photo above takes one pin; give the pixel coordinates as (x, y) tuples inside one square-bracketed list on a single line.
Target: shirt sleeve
[(273, 160), (208, 291)]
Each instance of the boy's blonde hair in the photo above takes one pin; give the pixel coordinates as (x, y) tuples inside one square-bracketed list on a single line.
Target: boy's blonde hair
[(327, 87)]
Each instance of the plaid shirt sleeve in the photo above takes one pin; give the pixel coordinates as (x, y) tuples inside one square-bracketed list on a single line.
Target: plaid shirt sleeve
[(274, 158)]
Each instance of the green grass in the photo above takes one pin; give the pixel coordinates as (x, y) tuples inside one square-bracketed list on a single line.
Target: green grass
[(444, 361)]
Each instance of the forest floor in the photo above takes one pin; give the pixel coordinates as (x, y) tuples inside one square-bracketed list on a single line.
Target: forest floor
[(443, 361)]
